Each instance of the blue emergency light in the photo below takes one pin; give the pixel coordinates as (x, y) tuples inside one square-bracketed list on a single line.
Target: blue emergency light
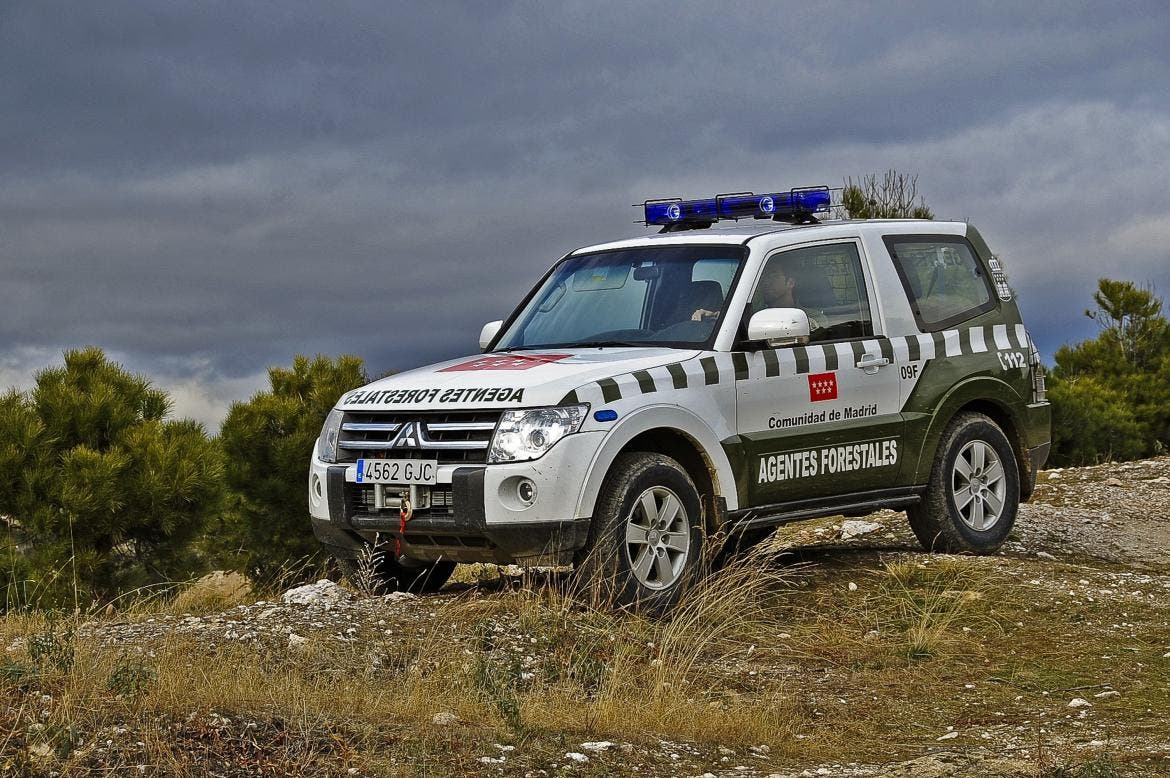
[(794, 204)]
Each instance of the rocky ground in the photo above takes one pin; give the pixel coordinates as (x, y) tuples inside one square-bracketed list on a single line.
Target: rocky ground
[(1086, 572)]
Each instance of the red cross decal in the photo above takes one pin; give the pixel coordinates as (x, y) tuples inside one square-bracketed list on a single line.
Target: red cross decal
[(822, 386), (506, 362)]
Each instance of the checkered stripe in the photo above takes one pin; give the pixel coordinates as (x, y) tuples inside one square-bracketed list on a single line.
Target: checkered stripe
[(720, 367)]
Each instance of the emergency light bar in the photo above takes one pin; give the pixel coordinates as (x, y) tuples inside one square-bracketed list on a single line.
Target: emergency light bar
[(683, 214)]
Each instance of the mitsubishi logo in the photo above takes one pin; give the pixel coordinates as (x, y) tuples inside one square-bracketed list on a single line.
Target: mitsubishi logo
[(412, 435)]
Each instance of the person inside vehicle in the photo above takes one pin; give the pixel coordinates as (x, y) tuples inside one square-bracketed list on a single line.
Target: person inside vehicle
[(703, 299), (788, 285), (702, 314), (777, 289)]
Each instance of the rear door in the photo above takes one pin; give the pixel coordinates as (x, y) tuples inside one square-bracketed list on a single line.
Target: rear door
[(819, 419)]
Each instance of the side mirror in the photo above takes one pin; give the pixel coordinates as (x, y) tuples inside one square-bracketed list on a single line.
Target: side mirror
[(779, 326), (489, 332)]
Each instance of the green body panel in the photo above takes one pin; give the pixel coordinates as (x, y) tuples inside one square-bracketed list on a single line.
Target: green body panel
[(998, 380), (948, 385), (925, 426), (747, 450), (983, 362)]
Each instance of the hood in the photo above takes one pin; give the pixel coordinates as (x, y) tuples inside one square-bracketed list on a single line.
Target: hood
[(516, 379)]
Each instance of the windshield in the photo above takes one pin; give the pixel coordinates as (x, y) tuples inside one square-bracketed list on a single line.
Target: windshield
[(661, 296)]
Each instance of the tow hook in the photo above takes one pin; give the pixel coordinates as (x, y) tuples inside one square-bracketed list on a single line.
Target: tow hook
[(405, 511)]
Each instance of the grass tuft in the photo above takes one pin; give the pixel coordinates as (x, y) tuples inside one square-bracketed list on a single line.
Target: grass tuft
[(930, 600)]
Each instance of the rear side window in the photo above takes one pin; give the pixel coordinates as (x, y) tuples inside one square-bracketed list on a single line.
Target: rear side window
[(943, 278)]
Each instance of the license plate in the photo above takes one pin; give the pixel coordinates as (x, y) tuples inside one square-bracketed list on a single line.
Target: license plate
[(396, 471)]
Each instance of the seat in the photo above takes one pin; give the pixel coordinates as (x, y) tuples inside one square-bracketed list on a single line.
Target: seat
[(705, 295), (814, 290)]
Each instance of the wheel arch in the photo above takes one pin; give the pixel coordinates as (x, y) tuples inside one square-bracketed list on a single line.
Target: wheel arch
[(992, 398), (677, 433)]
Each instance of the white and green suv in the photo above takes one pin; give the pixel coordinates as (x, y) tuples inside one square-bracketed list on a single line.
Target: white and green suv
[(711, 379)]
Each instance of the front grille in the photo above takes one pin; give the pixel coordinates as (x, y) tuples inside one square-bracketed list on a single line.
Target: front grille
[(362, 501), (455, 437)]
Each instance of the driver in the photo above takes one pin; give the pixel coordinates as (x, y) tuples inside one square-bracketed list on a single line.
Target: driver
[(777, 289), (780, 287)]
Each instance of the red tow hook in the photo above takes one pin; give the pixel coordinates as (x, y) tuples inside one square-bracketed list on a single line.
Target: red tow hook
[(405, 511)]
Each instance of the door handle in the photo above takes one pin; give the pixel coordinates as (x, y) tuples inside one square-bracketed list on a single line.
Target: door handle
[(871, 362)]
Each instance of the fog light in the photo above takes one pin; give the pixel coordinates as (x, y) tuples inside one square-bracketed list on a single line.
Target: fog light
[(526, 491)]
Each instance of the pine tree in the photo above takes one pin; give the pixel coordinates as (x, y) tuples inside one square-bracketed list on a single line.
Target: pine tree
[(895, 197), (100, 492), (1111, 394), (267, 443)]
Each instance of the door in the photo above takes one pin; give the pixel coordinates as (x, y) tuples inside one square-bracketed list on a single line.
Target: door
[(823, 418)]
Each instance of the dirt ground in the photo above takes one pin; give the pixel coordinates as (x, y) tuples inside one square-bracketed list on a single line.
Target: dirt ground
[(1059, 668), (1116, 514)]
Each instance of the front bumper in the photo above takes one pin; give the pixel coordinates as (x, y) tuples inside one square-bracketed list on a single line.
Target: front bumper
[(477, 518)]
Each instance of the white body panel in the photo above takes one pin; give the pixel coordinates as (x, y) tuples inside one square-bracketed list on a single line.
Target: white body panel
[(709, 396), (521, 379)]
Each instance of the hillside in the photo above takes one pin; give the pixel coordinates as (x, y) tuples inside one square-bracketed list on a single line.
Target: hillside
[(841, 649)]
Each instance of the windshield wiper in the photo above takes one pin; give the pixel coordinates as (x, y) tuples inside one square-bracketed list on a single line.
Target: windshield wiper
[(579, 344), (604, 343)]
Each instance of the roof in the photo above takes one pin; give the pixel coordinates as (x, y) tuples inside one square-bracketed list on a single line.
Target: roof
[(738, 233)]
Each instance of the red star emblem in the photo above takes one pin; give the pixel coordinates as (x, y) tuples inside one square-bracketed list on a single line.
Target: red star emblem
[(822, 386)]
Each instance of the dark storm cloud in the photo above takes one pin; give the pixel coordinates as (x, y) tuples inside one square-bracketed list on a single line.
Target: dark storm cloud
[(210, 189)]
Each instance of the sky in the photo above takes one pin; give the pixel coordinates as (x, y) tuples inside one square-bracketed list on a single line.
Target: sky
[(206, 190)]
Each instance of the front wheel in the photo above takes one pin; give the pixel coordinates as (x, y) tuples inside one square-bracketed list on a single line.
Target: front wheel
[(646, 540), (974, 490)]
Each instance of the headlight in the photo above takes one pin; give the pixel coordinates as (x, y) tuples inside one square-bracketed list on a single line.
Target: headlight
[(327, 443), (524, 435)]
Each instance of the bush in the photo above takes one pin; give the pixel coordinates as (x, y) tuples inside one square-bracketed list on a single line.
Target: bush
[(267, 443), (1092, 422), (99, 492), (895, 197), (1111, 394)]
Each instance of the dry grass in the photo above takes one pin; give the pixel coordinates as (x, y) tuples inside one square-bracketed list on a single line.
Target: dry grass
[(761, 652), (929, 601)]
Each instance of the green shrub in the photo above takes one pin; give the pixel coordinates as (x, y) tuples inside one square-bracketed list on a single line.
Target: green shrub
[(267, 443), (100, 492)]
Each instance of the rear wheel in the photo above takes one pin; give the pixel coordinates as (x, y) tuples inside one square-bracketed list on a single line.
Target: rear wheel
[(973, 494), (646, 539), (381, 573)]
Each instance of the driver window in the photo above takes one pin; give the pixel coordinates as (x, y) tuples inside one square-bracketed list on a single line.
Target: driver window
[(826, 282)]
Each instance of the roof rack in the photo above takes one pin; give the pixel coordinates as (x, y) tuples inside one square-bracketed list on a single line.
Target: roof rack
[(796, 206)]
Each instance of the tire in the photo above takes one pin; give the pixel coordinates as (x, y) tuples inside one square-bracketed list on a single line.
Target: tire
[(381, 573), (646, 540), (973, 494)]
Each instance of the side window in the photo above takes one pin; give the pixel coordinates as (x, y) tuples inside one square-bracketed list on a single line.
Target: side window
[(824, 281), (943, 278)]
